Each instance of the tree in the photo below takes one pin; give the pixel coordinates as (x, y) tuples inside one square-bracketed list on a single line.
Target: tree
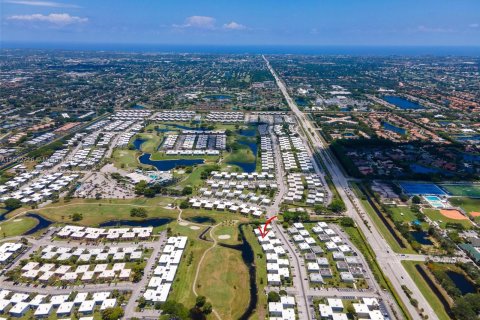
[(138, 212), (12, 204), (347, 222), (149, 192), (273, 296), (142, 302), (207, 308), (114, 313), (200, 301), (77, 216), (337, 206), (187, 190), (416, 200)]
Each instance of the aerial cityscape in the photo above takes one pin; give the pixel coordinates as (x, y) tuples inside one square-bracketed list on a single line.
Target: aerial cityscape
[(199, 161)]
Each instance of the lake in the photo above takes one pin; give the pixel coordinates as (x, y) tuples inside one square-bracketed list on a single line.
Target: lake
[(201, 219), (42, 223), (402, 103), (137, 143), (165, 165), (421, 237), (218, 97), (390, 127), (461, 282), (152, 222), (248, 166)]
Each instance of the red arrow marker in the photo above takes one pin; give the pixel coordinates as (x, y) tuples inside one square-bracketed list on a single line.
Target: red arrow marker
[(264, 232)]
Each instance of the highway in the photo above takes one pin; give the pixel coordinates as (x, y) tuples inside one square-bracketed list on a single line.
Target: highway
[(389, 261)]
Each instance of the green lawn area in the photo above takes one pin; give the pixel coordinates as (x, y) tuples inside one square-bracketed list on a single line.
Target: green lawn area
[(160, 155), (466, 190), (227, 287), (227, 228), (381, 225), (261, 274), (126, 159), (152, 141), (182, 286), (95, 212), (436, 216), (403, 214), (17, 226), (424, 288), (243, 154)]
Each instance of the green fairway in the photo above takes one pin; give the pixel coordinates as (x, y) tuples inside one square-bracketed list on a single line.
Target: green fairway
[(227, 287), (466, 190), (424, 288), (152, 141), (95, 212), (17, 226), (126, 159), (436, 216), (403, 214)]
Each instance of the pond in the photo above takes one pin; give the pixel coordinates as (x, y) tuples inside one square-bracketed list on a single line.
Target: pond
[(165, 165), (250, 132), (390, 127), (248, 166), (461, 282), (138, 107), (137, 143), (201, 219), (402, 103), (421, 237), (218, 97), (172, 127), (42, 223), (152, 222)]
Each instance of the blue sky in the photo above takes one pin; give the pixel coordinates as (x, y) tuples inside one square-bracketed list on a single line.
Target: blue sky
[(245, 22)]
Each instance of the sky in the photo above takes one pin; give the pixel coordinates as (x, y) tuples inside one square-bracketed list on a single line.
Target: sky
[(244, 22)]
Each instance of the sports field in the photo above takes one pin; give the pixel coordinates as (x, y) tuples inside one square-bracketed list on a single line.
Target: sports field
[(466, 190), (442, 218)]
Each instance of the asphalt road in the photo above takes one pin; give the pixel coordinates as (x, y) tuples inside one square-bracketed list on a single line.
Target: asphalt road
[(387, 259)]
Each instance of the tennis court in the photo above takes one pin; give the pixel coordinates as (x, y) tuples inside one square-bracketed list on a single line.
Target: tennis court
[(422, 189)]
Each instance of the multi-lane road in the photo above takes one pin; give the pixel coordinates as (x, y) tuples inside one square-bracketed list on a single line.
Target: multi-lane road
[(389, 261)]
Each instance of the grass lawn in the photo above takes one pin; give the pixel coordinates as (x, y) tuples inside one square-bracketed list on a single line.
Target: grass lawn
[(403, 214), (152, 141), (17, 227), (467, 190), (261, 274), (424, 288), (227, 228), (160, 155), (97, 211), (125, 159), (436, 216), (243, 154), (227, 287), (182, 286), (381, 225)]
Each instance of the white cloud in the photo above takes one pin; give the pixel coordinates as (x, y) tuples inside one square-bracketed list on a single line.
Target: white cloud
[(36, 3), (59, 19), (474, 25), (198, 22), (234, 26), (433, 29)]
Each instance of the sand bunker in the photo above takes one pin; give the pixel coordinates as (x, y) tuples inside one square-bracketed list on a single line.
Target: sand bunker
[(17, 220), (475, 214), (194, 227), (224, 236), (183, 223), (453, 214)]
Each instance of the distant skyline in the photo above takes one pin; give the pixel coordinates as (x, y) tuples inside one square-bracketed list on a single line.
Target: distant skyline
[(265, 22)]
